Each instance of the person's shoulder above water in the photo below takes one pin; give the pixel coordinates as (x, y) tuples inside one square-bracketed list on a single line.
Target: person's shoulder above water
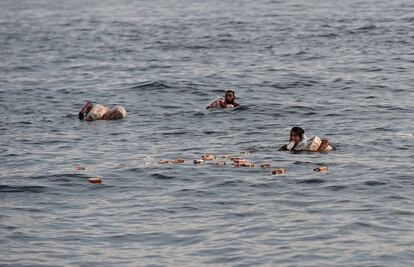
[(91, 112), (227, 102), (299, 142)]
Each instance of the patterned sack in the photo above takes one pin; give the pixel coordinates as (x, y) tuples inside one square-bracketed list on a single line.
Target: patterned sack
[(96, 113)]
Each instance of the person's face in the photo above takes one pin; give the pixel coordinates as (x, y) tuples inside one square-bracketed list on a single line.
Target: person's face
[(229, 97), (295, 138)]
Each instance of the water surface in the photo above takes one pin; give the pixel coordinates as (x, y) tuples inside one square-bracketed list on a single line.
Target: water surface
[(342, 70)]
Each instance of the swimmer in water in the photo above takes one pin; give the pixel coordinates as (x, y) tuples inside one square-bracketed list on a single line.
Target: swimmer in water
[(299, 142), (92, 112), (227, 102)]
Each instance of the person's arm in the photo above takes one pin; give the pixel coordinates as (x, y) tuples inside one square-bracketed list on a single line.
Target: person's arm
[(283, 148)]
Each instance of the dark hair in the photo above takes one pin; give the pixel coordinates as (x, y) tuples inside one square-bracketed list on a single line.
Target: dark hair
[(231, 91), (81, 115), (297, 131)]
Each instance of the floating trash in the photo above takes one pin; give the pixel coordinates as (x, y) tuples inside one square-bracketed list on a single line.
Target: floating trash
[(279, 171), (95, 180), (321, 169), (265, 165), (178, 161), (169, 161), (248, 165), (244, 163), (239, 161), (245, 153), (198, 161), (220, 163), (80, 168), (148, 160), (209, 157)]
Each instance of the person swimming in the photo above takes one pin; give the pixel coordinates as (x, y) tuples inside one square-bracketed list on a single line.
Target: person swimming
[(299, 142), (91, 112), (227, 102)]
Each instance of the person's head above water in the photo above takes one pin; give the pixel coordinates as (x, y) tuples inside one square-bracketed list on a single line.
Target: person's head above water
[(297, 134), (85, 110), (229, 97)]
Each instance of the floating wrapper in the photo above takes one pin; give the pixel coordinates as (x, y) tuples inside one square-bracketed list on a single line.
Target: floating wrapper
[(240, 161), (95, 180), (244, 163), (169, 161), (80, 168), (279, 171), (208, 157), (178, 161), (198, 161), (321, 169), (248, 165), (265, 165)]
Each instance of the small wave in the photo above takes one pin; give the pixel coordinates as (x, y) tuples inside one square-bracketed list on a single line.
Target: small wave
[(23, 189), (404, 135), (162, 176), (366, 27), (154, 85), (174, 133), (328, 35), (311, 181), (230, 183), (374, 183), (336, 187)]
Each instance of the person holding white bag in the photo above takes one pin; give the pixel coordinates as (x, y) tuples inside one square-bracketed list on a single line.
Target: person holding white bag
[(92, 112), (299, 142)]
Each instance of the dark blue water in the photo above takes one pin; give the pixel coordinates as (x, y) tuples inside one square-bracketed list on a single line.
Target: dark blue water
[(340, 69)]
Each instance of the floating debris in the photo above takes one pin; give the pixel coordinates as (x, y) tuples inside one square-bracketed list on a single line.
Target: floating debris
[(148, 160), (95, 180), (178, 161), (220, 163), (244, 163), (226, 157), (265, 165), (248, 165), (80, 168), (198, 161), (209, 157), (239, 161), (279, 171), (321, 169), (169, 161), (245, 153)]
